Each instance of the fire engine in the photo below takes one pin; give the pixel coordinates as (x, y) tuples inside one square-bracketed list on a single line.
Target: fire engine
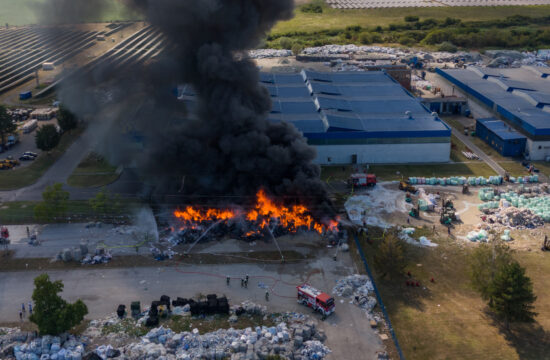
[(315, 299), (362, 180)]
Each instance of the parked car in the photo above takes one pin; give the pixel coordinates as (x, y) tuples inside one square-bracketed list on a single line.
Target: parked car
[(26, 157), (30, 153)]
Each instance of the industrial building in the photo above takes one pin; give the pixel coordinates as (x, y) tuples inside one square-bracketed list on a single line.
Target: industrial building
[(355, 117), (358, 117), (519, 96), (502, 137)]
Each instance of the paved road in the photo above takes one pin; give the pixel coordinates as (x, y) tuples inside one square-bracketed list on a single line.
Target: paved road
[(348, 331), (486, 158)]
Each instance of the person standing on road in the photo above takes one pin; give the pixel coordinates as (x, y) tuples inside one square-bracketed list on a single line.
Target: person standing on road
[(28, 233), (30, 308), (23, 307), (267, 296), (227, 279), (20, 316)]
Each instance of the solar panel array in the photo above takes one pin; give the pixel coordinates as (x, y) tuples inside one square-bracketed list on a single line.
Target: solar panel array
[(371, 4), (25, 50)]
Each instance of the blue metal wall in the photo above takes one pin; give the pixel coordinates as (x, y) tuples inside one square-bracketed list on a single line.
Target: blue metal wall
[(514, 147)]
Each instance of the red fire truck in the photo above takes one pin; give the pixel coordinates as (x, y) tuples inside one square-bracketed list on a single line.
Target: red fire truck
[(362, 180), (315, 299)]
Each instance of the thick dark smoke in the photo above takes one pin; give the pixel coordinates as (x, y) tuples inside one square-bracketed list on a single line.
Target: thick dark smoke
[(227, 147)]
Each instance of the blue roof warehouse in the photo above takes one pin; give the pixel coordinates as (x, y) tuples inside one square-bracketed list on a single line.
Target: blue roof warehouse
[(519, 96), (356, 117)]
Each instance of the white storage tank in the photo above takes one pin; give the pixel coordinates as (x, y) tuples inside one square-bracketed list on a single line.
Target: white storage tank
[(48, 66)]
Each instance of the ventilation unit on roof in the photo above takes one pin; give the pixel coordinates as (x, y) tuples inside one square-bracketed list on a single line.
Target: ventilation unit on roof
[(434, 114), (409, 114)]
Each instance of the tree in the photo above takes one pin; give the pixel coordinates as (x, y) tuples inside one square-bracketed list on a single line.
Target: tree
[(54, 204), (390, 259), (105, 204), (47, 137), (286, 43), (51, 313), (485, 262), (512, 294), (66, 119), (297, 49), (6, 124)]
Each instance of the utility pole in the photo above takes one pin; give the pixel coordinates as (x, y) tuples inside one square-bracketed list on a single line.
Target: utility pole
[(37, 78)]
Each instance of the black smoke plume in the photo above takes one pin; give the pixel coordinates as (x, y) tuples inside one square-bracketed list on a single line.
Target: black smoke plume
[(225, 145)]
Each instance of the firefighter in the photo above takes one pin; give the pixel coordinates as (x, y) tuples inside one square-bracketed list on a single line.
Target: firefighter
[(246, 277), (267, 296), (242, 282), (227, 280)]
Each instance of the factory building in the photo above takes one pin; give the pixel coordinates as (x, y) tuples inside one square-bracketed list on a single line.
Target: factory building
[(502, 137), (355, 117), (520, 97), (358, 117)]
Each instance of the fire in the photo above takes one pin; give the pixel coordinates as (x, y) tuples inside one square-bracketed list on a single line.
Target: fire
[(265, 213)]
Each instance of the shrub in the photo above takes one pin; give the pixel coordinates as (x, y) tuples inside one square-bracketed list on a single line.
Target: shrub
[(447, 46), (315, 7), (297, 48), (411, 18), (365, 38), (406, 40), (286, 43)]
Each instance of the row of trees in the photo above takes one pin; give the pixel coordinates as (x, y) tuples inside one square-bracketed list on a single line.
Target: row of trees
[(55, 203), (494, 273)]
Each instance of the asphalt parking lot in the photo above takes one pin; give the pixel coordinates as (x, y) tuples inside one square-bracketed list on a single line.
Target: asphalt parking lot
[(26, 143)]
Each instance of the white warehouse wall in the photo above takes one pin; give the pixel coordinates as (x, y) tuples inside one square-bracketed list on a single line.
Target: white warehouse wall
[(383, 153), (535, 153)]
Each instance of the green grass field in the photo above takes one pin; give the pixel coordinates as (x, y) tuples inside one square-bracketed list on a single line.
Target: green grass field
[(448, 319), (25, 12), (340, 19), (93, 171)]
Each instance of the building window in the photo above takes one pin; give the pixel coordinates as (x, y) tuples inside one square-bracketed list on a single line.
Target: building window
[(329, 159), (540, 147)]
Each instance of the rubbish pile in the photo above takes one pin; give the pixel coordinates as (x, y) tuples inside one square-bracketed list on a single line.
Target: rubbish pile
[(530, 199), (74, 254), (294, 337), (268, 53), (480, 236), (22, 346), (101, 256), (461, 180), (514, 218), (405, 235), (360, 289), (427, 202), (511, 58)]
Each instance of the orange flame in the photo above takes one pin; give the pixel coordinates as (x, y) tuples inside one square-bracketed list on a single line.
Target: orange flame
[(265, 213)]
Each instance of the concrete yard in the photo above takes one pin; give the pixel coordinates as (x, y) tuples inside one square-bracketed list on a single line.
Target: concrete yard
[(349, 335)]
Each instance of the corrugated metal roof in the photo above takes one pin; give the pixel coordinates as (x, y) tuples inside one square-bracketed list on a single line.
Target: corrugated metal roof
[(519, 93), (501, 129)]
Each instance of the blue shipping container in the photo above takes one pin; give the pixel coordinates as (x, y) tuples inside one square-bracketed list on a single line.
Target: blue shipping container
[(25, 95)]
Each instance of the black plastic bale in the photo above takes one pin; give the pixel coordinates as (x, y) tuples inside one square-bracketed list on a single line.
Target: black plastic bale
[(194, 308), (212, 306), (203, 307), (152, 321), (121, 310), (223, 308), (136, 306), (211, 296), (239, 311)]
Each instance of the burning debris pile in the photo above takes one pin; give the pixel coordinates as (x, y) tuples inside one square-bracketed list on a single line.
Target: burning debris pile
[(513, 218), (265, 216)]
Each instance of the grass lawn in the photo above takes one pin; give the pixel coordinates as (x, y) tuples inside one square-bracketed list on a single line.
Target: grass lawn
[(22, 212), (25, 176), (24, 12), (448, 320), (340, 19), (457, 147), (93, 171)]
